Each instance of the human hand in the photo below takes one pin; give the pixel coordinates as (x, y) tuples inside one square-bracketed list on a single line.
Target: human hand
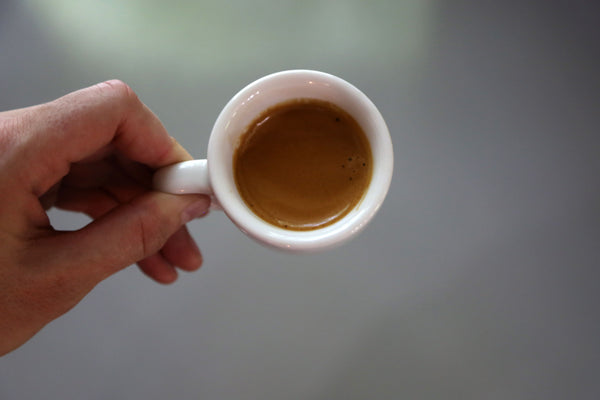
[(91, 151)]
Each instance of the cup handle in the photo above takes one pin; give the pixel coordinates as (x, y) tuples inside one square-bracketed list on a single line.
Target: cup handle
[(186, 177)]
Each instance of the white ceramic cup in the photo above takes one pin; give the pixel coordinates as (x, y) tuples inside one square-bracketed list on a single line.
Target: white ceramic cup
[(214, 175)]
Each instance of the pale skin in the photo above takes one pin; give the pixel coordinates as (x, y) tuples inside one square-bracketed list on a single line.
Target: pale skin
[(91, 151)]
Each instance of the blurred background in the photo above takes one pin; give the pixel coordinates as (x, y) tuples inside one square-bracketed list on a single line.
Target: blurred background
[(479, 277)]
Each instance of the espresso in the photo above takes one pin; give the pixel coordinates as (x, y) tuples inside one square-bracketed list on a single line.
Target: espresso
[(303, 164)]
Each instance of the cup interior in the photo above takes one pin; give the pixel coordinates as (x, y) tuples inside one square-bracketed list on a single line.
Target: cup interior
[(266, 92)]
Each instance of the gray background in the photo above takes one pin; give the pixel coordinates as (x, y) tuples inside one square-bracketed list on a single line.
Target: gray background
[(478, 278)]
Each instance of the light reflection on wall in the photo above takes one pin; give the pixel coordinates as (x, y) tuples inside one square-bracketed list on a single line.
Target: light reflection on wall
[(190, 37)]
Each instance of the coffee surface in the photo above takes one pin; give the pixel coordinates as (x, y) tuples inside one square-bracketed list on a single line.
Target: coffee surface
[(303, 164)]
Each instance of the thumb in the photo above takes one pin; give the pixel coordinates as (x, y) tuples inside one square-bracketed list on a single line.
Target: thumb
[(130, 232)]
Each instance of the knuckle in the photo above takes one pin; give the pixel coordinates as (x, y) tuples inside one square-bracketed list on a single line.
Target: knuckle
[(120, 90), (152, 232)]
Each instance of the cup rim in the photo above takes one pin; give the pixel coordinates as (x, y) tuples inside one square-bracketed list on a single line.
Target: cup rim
[(224, 187)]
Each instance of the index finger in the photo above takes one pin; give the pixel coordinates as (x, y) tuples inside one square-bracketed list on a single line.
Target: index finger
[(77, 125)]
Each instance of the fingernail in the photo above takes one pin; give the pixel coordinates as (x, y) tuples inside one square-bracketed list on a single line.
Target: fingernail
[(195, 210)]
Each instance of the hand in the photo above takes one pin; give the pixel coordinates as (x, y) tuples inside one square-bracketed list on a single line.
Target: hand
[(91, 151)]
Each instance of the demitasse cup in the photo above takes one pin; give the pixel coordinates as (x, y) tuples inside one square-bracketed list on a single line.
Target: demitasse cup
[(216, 175)]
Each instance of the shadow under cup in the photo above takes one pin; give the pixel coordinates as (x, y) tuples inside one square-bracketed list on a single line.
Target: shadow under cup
[(265, 93)]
